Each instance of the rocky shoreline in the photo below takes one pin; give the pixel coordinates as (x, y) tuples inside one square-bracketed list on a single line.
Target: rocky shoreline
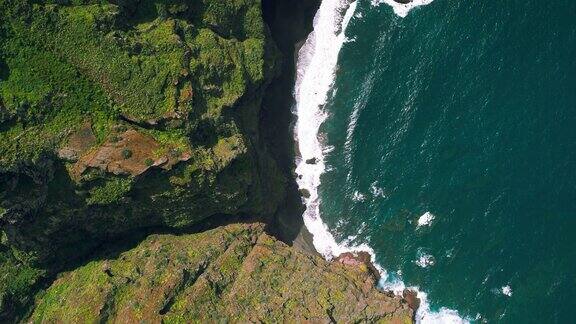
[(290, 23), (292, 44), (79, 200)]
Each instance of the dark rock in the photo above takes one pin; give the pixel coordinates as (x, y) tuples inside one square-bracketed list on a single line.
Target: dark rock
[(311, 161), (305, 193)]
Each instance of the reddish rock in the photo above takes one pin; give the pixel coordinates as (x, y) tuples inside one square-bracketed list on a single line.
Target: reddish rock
[(359, 259), (127, 153), (411, 298)]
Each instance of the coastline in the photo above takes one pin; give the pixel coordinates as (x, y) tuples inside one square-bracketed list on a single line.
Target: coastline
[(290, 23), (317, 65), (304, 240)]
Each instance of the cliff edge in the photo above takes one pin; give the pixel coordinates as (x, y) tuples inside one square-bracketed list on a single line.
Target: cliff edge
[(236, 273)]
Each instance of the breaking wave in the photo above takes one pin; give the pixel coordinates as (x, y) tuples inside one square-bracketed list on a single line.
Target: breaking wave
[(316, 68), (402, 9)]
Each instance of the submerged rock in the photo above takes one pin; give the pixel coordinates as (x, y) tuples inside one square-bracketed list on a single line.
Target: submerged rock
[(236, 273)]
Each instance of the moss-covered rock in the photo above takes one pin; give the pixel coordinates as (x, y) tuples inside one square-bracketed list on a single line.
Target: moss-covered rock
[(119, 115), (236, 273)]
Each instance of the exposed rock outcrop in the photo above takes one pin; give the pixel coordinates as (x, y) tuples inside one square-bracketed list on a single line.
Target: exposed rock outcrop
[(411, 298), (359, 259)]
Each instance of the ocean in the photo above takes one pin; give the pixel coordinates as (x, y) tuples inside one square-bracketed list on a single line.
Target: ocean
[(440, 136)]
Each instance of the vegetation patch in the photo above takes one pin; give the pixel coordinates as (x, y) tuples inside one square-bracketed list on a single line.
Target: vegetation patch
[(112, 191)]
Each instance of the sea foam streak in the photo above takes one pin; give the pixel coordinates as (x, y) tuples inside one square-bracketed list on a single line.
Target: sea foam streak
[(402, 9), (316, 68)]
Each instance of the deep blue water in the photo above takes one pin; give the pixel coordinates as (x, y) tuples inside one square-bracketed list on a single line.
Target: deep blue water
[(465, 109)]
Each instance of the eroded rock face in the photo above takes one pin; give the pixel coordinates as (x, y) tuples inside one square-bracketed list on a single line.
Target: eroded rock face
[(136, 114), (128, 153), (236, 273), (78, 143)]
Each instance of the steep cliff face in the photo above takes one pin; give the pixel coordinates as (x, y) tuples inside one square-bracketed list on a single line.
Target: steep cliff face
[(235, 273), (125, 117), (129, 114), (117, 116)]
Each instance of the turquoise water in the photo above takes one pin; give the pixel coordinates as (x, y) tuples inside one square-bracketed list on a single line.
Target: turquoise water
[(465, 110)]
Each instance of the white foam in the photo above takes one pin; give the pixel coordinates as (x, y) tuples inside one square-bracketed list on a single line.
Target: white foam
[(316, 68), (506, 290), (358, 196), (377, 191), (426, 219), (402, 9), (425, 260), (424, 315)]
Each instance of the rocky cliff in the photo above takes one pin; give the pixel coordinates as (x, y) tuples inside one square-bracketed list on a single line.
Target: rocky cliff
[(235, 273), (129, 117)]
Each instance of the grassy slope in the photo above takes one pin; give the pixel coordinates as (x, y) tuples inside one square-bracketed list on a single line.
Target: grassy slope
[(233, 273)]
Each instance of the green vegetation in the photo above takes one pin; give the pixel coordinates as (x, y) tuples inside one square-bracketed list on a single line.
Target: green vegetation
[(72, 62), (111, 192), (232, 273), (122, 115), (48, 99), (17, 282), (126, 154), (188, 74)]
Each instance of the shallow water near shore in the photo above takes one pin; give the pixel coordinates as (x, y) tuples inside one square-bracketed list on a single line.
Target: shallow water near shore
[(447, 150)]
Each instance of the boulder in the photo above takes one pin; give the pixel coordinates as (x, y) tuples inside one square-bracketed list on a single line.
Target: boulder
[(311, 161)]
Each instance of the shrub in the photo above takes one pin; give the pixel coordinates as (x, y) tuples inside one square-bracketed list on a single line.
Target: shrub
[(111, 192), (126, 154)]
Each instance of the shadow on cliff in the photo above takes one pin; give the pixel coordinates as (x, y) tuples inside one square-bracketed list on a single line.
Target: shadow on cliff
[(290, 22)]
